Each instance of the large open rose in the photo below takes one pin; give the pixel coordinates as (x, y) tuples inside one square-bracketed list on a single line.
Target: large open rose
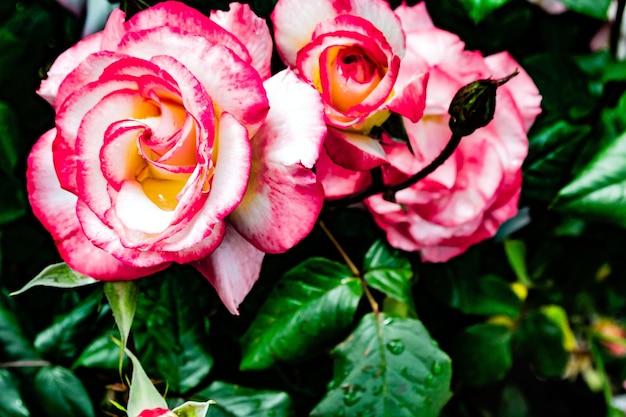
[(169, 147), (467, 198), (351, 51)]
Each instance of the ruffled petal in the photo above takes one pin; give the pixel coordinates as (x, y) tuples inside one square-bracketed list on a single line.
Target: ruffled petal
[(232, 269), (56, 209), (252, 31), (65, 63), (353, 150), (283, 198), (294, 23)]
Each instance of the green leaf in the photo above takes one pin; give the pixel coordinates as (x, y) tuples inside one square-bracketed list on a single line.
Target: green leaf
[(60, 393), (122, 297), (63, 340), (516, 254), (594, 8), (479, 9), (388, 367), (542, 340), (308, 308), (14, 346), (563, 85), (236, 401), (389, 272), (101, 353), (482, 354), (11, 404), (551, 157), (59, 276), (459, 285), (9, 138), (171, 328), (599, 191)]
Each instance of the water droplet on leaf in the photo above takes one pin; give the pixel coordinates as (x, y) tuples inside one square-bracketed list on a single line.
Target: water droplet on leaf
[(352, 394), (437, 368), (395, 346)]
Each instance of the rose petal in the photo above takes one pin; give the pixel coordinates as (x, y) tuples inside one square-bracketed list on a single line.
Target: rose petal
[(283, 198), (56, 209), (250, 30), (353, 150), (232, 269), (65, 63)]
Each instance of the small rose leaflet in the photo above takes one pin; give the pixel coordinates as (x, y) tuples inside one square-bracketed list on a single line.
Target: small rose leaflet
[(153, 157)]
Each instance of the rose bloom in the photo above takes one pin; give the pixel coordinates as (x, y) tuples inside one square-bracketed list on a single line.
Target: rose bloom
[(169, 147), (351, 52), (157, 412), (468, 197), (608, 327)]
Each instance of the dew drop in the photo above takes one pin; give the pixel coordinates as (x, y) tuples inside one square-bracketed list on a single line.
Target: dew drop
[(352, 394), (437, 368), (395, 346)]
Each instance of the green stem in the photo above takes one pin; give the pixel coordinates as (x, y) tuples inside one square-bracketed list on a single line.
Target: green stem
[(355, 271), (389, 191)]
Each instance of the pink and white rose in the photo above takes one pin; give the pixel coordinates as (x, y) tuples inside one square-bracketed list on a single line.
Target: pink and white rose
[(169, 146), (351, 51), (468, 197)]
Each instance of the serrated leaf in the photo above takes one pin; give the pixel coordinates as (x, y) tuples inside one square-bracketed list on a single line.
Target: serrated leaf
[(171, 329), (65, 337), (594, 8), (122, 297), (479, 9), (388, 367), (11, 404), (59, 276), (551, 156), (60, 393), (482, 354), (598, 191), (389, 272), (309, 306), (236, 401)]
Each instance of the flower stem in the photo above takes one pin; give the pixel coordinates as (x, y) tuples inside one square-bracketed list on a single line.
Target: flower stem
[(390, 190), (355, 271)]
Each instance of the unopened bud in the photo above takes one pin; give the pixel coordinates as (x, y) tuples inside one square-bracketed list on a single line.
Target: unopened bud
[(474, 105)]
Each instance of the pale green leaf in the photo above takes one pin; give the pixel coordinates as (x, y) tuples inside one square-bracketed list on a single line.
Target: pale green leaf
[(59, 276)]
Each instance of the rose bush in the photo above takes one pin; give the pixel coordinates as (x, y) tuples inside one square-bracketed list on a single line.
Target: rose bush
[(351, 51), (465, 200), (170, 147)]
